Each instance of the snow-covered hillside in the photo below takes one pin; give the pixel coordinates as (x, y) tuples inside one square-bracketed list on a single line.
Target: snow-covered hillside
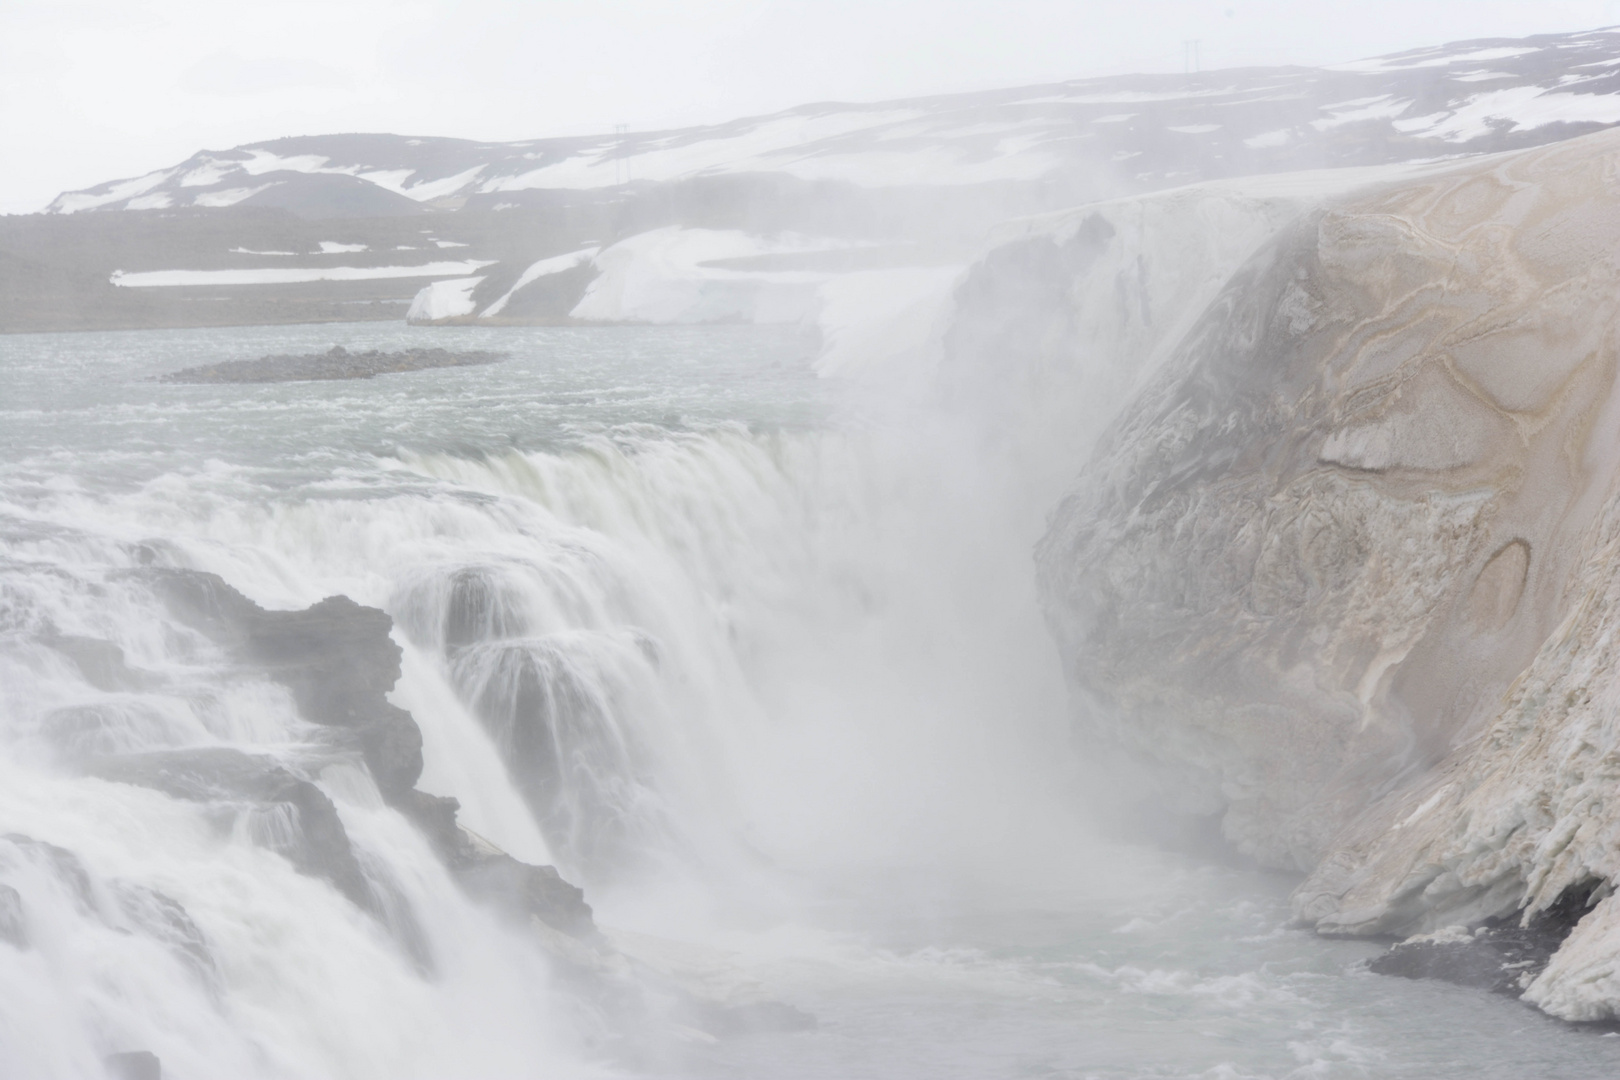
[(766, 219), (1126, 132)]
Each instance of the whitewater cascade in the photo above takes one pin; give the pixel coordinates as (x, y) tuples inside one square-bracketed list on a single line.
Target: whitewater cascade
[(724, 642), (686, 663)]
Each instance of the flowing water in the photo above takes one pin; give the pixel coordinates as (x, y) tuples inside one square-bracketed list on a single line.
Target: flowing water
[(756, 661)]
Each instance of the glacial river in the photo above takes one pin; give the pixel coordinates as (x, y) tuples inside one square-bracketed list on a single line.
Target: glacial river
[(789, 639)]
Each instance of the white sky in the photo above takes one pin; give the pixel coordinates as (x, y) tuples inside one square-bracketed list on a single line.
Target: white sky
[(91, 90)]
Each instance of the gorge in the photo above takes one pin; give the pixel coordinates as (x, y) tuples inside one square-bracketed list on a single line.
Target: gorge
[(1091, 623)]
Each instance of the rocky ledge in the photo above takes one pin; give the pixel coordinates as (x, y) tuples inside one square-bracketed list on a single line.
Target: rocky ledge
[(1502, 955), (339, 662), (335, 363)]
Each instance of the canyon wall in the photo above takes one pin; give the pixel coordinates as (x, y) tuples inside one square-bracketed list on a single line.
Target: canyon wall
[(1341, 569)]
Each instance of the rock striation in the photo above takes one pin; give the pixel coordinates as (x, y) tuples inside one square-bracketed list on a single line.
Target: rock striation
[(1343, 570)]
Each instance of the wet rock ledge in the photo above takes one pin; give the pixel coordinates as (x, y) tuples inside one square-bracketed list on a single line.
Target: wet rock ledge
[(339, 661), (1502, 955), (335, 363)]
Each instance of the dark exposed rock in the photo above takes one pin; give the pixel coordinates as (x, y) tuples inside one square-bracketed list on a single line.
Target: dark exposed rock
[(335, 656), (522, 890), (336, 363), (13, 924), (517, 889), (133, 1065), (1499, 955), (100, 662), (292, 817), (339, 661)]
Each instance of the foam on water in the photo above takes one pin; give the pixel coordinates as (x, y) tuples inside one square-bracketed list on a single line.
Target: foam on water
[(759, 665)]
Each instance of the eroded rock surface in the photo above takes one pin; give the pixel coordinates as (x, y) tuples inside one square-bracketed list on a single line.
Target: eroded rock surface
[(1345, 568)]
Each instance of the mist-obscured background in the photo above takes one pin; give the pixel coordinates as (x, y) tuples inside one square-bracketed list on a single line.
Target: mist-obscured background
[(101, 88)]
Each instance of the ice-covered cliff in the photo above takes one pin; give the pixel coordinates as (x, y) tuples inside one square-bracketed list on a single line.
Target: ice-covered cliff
[(1342, 570)]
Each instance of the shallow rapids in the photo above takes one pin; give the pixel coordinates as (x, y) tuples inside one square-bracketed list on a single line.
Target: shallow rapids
[(756, 662)]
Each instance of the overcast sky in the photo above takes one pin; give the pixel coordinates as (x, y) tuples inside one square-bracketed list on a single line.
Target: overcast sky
[(91, 90)]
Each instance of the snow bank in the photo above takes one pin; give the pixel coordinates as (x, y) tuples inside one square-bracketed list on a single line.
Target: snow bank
[(662, 276), (450, 299), (278, 275), (555, 264)]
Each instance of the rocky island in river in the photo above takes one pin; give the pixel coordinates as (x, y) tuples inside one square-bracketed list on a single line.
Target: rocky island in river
[(335, 363)]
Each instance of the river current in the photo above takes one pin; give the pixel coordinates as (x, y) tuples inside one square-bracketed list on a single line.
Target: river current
[(788, 633)]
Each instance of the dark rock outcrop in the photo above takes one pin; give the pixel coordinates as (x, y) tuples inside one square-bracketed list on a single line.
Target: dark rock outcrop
[(1499, 955), (339, 661), (335, 656), (100, 662), (336, 363)]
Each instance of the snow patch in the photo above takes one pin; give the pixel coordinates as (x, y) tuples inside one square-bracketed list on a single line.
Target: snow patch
[(1380, 64), (1523, 107), (449, 185), (1268, 138), (73, 202), (556, 264), (208, 173), (662, 277), (1349, 112), (260, 162), (332, 247), (443, 300), (230, 196), (278, 275)]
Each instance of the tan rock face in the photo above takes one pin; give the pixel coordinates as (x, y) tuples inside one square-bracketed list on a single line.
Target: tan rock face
[(1344, 566)]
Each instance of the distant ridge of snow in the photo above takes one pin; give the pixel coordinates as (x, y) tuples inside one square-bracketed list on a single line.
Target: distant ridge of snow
[(1473, 95)]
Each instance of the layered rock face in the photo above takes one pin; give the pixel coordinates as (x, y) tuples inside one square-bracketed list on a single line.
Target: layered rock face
[(1344, 569)]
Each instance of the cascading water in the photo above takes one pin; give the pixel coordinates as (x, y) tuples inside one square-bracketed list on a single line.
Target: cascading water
[(759, 666)]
